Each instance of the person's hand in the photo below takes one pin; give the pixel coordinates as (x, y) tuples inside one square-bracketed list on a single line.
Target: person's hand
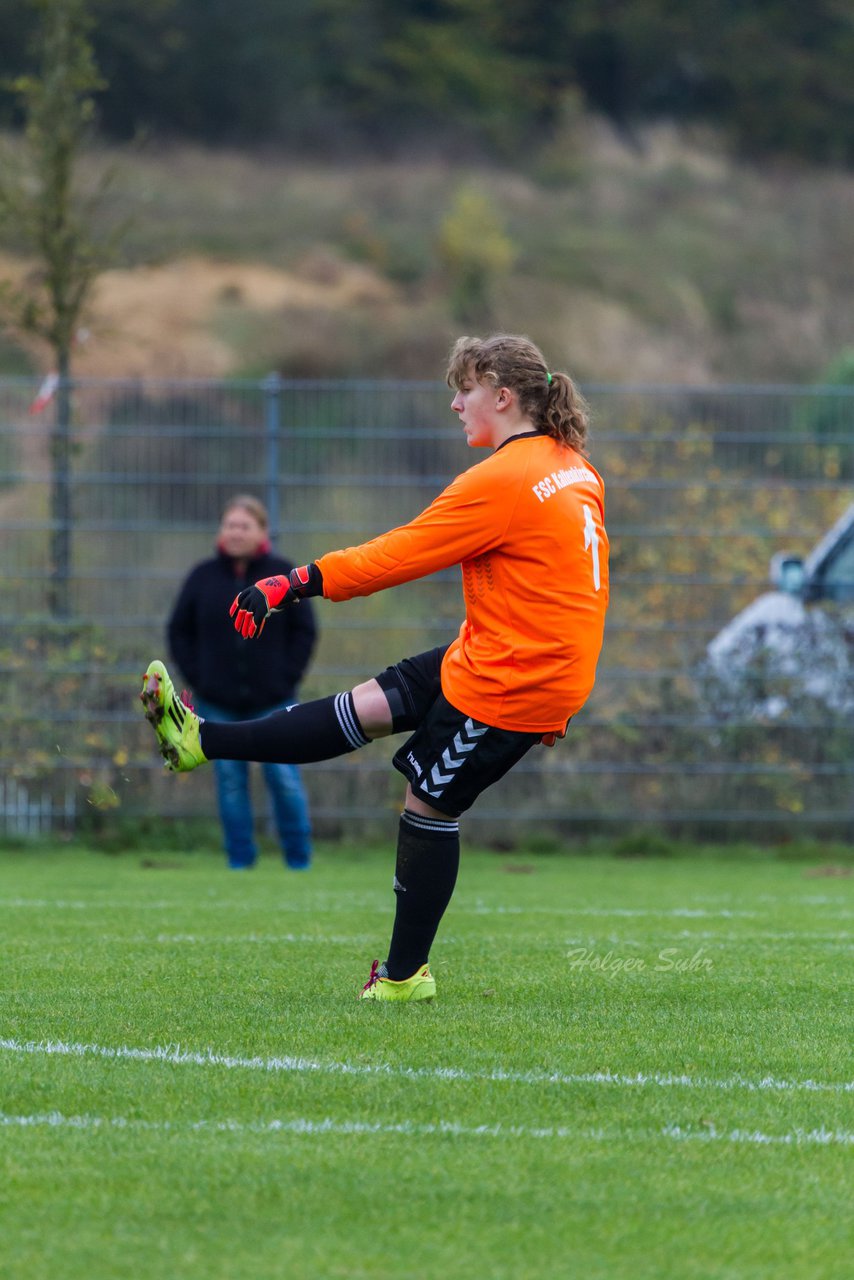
[(549, 739), (252, 607)]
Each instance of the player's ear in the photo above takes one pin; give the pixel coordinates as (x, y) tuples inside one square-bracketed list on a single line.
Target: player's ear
[(503, 397)]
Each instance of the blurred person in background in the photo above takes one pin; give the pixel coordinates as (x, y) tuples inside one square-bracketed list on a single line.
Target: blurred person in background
[(230, 684)]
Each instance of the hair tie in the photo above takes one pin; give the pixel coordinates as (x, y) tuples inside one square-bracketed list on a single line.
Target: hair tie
[(549, 379)]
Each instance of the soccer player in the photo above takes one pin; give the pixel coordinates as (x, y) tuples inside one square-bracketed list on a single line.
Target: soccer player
[(526, 525)]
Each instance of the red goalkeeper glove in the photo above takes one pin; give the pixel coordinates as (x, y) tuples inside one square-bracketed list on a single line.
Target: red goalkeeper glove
[(253, 606)]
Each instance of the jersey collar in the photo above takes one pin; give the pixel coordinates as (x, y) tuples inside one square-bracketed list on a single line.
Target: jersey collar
[(523, 435)]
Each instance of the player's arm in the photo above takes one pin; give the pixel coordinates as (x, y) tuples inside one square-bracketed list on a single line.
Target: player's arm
[(465, 520), (252, 607)]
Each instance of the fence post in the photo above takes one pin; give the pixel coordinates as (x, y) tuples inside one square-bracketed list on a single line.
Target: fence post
[(272, 388)]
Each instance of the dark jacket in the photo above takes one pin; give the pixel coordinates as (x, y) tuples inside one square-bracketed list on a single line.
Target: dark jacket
[(246, 676)]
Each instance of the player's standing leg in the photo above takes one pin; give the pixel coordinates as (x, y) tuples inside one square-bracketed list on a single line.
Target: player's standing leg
[(428, 859)]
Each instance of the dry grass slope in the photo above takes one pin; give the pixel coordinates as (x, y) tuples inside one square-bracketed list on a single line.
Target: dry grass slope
[(664, 261)]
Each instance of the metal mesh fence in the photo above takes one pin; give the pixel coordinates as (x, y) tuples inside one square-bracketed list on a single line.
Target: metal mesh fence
[(702, 485)]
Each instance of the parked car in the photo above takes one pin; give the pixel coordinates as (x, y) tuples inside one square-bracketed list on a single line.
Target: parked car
[(794, 646)]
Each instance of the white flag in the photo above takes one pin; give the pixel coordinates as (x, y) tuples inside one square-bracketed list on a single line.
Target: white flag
[(46, 392)]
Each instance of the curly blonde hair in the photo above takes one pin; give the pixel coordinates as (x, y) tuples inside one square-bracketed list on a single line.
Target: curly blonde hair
[(551, 400)]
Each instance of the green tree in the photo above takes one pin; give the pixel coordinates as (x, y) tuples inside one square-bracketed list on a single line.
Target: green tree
[(47, 215), (331, 75), (477, 252)]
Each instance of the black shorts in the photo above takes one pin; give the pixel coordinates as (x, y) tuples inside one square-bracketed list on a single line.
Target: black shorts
[(451, 757)]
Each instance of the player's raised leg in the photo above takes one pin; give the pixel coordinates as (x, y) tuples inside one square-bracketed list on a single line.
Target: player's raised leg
[(308, 732)]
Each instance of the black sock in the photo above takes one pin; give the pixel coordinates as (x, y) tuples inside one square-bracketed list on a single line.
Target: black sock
[(428, 858), (310, 731)]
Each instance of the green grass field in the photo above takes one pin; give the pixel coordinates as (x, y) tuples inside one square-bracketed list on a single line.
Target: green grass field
[(635, 1068)]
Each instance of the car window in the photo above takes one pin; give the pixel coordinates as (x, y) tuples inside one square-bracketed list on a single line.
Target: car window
[(835, 580)]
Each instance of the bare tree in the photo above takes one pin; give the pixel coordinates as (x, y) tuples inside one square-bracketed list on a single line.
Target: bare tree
[(44, 211)]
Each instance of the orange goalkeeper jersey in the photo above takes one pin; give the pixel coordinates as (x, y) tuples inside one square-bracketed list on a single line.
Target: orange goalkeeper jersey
[(526, 525)]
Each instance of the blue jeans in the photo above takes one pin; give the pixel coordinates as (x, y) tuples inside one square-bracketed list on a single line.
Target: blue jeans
[(284, 784)]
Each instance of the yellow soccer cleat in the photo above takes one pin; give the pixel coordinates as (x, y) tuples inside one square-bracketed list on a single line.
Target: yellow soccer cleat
[(175, 723), (421, 986)]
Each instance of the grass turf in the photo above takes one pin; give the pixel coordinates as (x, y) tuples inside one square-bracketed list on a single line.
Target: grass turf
[(633, 1069)]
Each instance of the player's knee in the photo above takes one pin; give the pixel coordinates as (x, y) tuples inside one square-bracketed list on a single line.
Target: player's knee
[(371, 706), (415, 804)]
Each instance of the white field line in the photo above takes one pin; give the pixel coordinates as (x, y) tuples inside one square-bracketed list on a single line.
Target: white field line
[(262, 939), (840, 942), (477, 909), (671, 913), (797, 1138), (690, 913), (809, 899), (712, 939), (218, 940), (720, 940), (168, 904), (533, 941), (407, 1128), (265, 939), (211, 904), (375, 904), (175, 1055), (768, 935)]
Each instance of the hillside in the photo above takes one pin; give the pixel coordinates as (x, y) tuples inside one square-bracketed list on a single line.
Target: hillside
[(659, 260)]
